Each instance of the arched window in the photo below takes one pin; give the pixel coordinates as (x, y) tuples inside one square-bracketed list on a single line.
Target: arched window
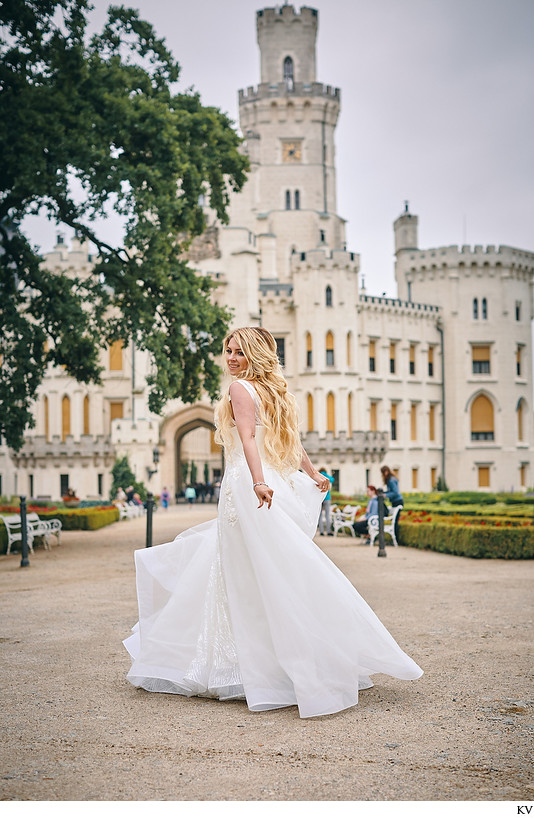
[(482, 419), (289, 77), (475, 308), (331, 413), (349, 349), (520, 411), (309, 402), (309, 350), (46, 418), (297, 200), (328, 296), (86, 415), (349, 414), (484, 308), (329, 349), (65, 417), (288, 200)]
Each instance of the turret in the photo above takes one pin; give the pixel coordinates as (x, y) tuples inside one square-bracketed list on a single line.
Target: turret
[(406, 231), (287, 44)]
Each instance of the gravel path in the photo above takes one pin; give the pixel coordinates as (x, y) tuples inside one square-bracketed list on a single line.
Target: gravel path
[(72, 728)]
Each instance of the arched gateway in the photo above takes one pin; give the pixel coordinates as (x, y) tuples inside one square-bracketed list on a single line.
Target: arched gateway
[(173, 431)]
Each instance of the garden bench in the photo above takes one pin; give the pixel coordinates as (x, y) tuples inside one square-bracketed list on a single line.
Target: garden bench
[(344, 518), (45, 528), (14, 531), (389, 525)]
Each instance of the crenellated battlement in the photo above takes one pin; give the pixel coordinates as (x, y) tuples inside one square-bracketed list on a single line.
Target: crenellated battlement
[(397, 305), (267, 90), (326, 259), (273, 15), (464, 256)]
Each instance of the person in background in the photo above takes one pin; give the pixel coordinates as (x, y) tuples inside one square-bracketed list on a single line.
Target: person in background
[(190, 494), (165, 498), (121, 495), (392, 492), (324, 517), (361, 526)]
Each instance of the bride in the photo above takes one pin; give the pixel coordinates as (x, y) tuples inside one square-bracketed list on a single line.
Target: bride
[(247, 606)]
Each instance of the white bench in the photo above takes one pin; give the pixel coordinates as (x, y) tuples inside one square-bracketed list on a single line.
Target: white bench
[(14, 531), (389, 525), (45, 528), (344, 518), (35, 528)]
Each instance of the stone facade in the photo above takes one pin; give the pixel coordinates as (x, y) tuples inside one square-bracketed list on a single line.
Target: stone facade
[(437, 383)]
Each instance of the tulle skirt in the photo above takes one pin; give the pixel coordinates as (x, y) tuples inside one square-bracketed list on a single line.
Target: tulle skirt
[(248, 606)]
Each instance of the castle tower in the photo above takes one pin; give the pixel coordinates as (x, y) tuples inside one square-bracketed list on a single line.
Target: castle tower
[(288, 122)]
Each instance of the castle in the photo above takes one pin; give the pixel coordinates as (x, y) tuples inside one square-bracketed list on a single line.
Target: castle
[(437, 383)]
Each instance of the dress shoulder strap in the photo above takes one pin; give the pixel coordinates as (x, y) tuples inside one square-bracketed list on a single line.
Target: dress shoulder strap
[(249, 388)]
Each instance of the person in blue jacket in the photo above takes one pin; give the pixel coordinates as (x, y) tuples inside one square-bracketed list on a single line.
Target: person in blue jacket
[(325, 525), (361, 525), (392, 492)]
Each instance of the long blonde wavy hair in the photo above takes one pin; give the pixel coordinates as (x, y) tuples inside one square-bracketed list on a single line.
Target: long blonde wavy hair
[(278, 408)]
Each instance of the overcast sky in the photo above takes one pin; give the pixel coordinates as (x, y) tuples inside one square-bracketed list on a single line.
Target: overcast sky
[(437, 107)]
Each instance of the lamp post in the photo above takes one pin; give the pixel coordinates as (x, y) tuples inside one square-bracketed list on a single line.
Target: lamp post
[(155, 461)]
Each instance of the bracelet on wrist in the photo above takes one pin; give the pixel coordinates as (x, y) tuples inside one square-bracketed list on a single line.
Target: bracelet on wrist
[(259, 483)]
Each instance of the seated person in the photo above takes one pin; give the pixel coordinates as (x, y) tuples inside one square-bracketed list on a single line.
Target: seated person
[(360, 526)]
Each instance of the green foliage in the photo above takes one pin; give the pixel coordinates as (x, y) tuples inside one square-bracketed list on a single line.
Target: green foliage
[(475, 541), (88, 126), (123, 476)]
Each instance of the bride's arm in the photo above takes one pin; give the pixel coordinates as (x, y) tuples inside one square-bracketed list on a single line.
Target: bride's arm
[(321, 480), (244, 413)]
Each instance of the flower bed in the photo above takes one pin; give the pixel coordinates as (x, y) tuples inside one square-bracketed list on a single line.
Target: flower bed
[(508, 541)]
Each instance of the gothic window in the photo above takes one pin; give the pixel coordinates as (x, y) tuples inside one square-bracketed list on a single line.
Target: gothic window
[(309, 350), (413, 422), (392, 357), (482, 420), (520, 419), (475, 308), (484, 308), (328, 296), (412, 359), (309, 402), (281, 350), (349, 414), (373, 417), (297, 200), (518, 311), (330, 413), (65, 417), (372, 356), (288, 200), (393, 420), (431, 361), (86, 415), (329, 349), (46, 418), (432, 423), (415, 477), (289, 77), (349, 349), (518, 360)]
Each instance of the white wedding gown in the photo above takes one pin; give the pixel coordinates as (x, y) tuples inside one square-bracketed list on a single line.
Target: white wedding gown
[(247, 606)]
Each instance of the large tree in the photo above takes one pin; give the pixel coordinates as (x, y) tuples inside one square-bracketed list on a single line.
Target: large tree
[(90, 125)]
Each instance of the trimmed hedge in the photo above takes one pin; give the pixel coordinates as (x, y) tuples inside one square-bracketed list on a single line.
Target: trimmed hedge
[(71, 519), (510, 543)]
